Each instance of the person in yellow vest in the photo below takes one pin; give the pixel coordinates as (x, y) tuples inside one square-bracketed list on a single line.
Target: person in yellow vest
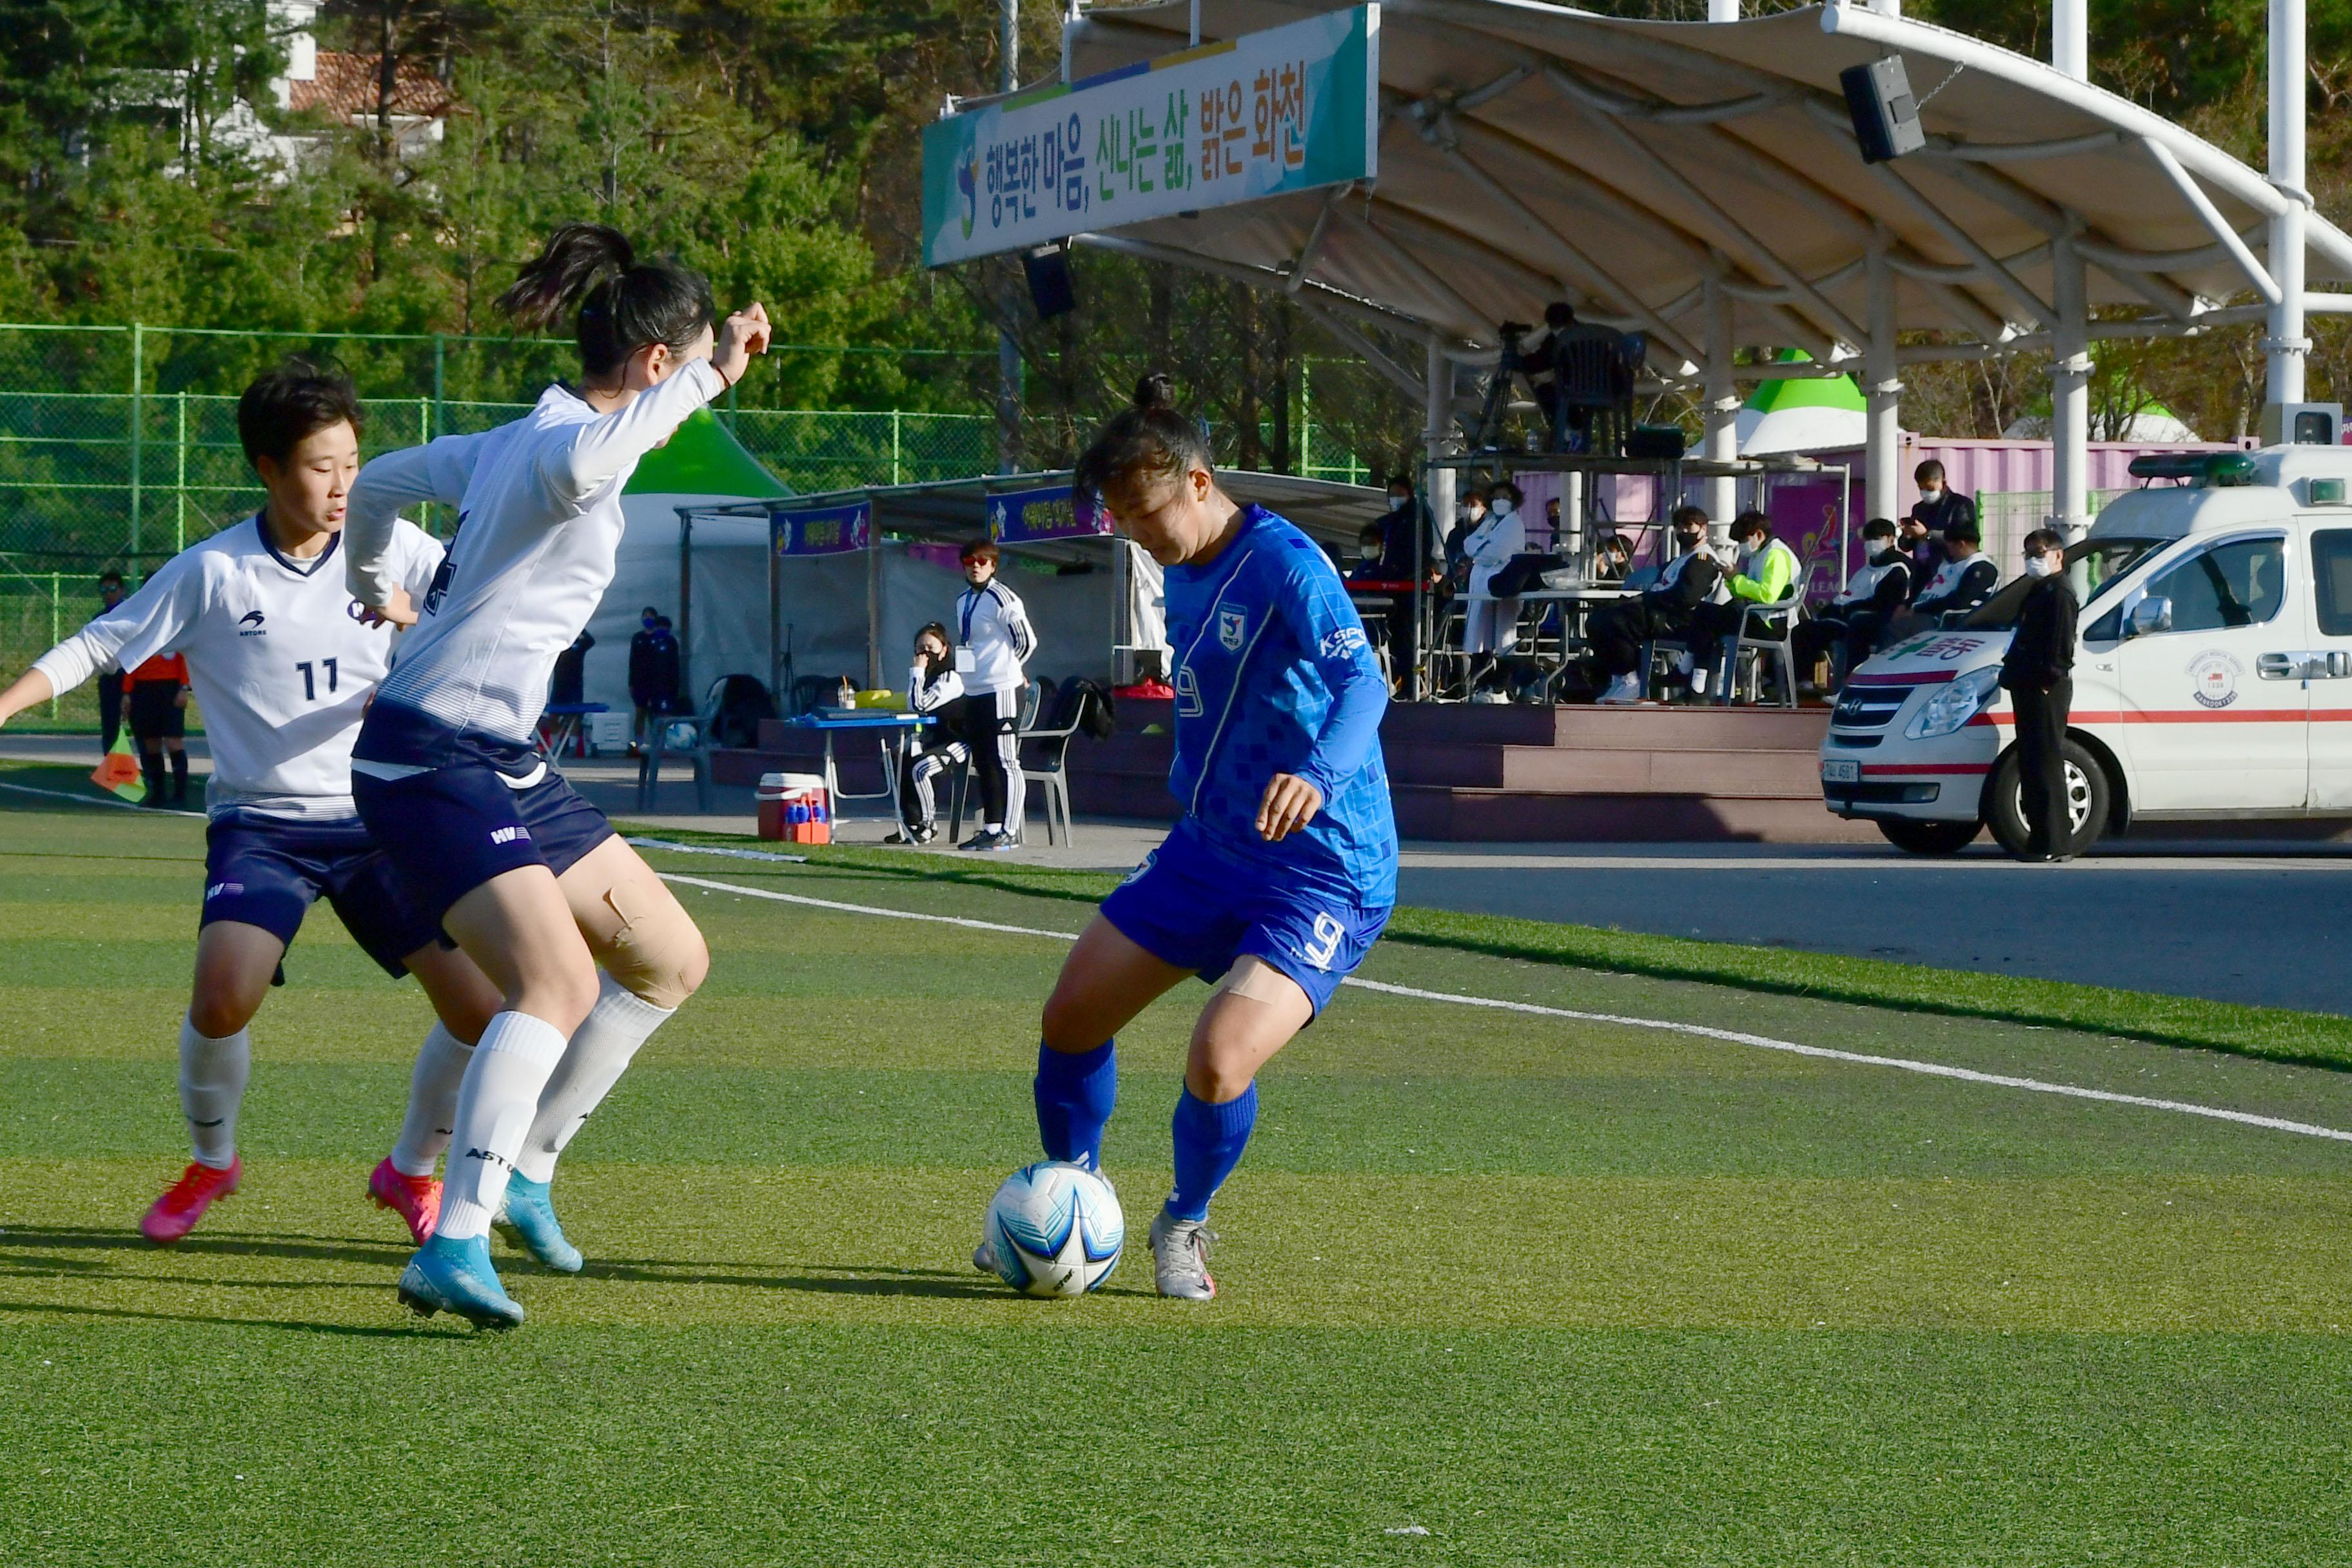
[(1762, 576)]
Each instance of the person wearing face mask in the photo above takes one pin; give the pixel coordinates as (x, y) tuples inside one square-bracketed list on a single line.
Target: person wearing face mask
[(1939, 506), (2038, 673), (1490, 622), (1920, 547), (933, 686), (652, 675), (1966, 580), (1393, 560), (1761, 575), (1693, 578), (1860, 613)]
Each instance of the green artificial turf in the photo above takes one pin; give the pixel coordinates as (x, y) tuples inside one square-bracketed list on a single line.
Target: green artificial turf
[(1498, 1289)]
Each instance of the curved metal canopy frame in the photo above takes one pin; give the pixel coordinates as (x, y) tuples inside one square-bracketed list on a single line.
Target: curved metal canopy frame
[(1530, 151)]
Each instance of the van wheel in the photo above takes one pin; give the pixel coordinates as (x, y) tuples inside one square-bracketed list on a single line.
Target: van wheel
[(2088, 801), (1929, 837)]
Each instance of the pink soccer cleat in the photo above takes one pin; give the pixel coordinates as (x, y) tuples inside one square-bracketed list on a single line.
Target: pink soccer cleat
[(183, 1202), (417, 1199)]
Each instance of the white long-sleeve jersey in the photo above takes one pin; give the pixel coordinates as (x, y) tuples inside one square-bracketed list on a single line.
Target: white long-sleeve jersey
[(539, 525), (1491, 546), (994, 625), (279, 661), (928, 693)]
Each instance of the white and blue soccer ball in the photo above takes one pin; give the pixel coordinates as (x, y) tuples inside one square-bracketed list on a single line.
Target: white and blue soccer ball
[(1055, 1229)]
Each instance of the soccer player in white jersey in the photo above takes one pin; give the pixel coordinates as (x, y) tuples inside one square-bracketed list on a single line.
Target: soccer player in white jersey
[(526, 876), (282, 662)]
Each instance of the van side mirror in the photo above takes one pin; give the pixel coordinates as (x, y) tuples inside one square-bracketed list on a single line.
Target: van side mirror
[(2153, 614)]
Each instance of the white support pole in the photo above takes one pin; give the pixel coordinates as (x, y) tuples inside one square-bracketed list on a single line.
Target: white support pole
[(1436, 434), (1723, 10), (1886, 7), (1722, 412), (1883, 454), (2070, 37), (2287, 344), (2070, 395)]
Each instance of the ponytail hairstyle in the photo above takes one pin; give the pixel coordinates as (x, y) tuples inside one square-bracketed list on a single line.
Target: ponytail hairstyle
[(1145, 441), (622, 305)]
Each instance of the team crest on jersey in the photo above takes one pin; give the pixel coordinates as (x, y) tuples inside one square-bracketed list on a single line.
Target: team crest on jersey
[(1232, 625)]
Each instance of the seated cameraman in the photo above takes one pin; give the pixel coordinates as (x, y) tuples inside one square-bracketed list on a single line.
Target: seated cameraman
[(1664, 610), (1864, 608)]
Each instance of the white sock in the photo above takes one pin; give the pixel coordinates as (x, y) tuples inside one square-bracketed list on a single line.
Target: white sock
[(994, 826), (592, 1063), (495, 1104), (212, 1085), (432, 1102)]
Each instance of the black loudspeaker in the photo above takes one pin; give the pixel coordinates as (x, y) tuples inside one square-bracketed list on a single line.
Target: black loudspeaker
[(1047, 268), (1885, 115), (1654, 442)]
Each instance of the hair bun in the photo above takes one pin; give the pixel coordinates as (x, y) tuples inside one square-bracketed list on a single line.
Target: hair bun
[(1156, 390)]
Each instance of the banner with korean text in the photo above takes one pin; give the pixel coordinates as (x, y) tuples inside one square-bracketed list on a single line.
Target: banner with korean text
[(827, 531), (1016, 517), (1265, 114)]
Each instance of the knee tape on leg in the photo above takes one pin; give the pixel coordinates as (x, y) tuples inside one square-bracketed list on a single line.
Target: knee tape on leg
[(1253, 979), (656, 952)]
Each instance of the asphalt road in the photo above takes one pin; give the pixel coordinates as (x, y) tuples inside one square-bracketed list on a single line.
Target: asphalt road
[(2218, 921)]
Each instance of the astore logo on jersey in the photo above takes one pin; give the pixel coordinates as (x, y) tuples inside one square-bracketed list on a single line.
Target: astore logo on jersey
[(249, 625)]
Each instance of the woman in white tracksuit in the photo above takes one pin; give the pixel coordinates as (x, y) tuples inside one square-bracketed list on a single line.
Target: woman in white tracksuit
[(1490, 625)]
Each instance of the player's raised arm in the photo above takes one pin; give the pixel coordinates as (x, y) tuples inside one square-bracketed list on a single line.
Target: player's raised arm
[(373, 565), (646, 349), (147, 623)]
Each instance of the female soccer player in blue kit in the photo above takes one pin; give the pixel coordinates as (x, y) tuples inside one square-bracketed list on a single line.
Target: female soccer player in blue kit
[(1281, 873)]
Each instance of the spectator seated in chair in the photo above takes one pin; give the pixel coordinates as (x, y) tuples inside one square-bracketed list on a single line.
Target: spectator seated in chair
[(1966, 580), (1692, 579), (1763, 574), (1853, 622), (932, 687)]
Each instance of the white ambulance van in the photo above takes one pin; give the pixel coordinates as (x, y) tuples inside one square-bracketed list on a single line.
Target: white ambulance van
[(2212, 677)]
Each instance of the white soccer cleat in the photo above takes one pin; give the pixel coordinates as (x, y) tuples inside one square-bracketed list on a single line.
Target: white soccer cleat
[(1622, 689), (1180, 1258)]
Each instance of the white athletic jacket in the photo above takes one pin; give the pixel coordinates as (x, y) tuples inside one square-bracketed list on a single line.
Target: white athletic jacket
[(279, 661), (1491, 546), (994, 625), (538, 524), (928, 693)]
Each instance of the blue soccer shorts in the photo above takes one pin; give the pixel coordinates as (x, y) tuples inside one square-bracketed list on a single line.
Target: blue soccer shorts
[(267, 871), (1187, 906), (449, 830)]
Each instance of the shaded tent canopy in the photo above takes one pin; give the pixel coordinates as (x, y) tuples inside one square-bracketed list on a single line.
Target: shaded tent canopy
[(856, 613), (1531, 152)]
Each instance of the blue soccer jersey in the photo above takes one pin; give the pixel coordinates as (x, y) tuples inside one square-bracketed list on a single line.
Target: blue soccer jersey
[(1274, 675)]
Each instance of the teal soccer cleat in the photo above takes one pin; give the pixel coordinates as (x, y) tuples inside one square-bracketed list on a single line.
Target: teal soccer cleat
[(448, 1276), (527, 1215)]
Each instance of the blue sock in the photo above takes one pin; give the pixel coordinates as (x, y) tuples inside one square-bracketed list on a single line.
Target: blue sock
[(1075, 1091), (1209, 1144)]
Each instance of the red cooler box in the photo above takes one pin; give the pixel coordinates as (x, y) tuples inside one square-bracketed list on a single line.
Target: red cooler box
[(795, 808)]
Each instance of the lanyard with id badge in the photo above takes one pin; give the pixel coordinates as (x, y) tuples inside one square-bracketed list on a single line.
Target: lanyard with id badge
[(966, 661)]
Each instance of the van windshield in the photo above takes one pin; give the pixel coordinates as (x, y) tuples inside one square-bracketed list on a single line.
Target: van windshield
[(2097, 565)]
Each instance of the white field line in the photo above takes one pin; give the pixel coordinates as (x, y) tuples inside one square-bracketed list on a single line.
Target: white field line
[(99, 800), (1734, 1036)]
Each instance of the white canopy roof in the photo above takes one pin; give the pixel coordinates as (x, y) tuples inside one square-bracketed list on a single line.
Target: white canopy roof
[(1532, 151)]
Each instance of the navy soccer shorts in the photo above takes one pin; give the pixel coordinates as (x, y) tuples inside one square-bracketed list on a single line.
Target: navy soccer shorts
[(1189, 906), (449, 830), (267, 871)]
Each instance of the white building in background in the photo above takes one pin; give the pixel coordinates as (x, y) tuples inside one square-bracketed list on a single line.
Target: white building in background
[(342, 88)]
